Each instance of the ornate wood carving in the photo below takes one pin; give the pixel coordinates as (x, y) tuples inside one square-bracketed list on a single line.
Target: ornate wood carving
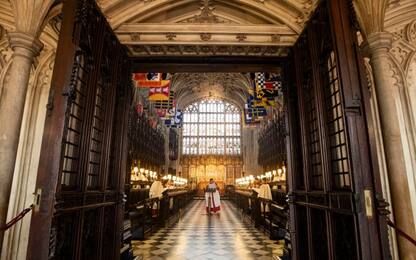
[(272, 148), (211, 159), (82, 180), (333, 144)]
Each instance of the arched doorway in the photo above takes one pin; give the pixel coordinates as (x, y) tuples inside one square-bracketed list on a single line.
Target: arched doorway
[(333, 192)]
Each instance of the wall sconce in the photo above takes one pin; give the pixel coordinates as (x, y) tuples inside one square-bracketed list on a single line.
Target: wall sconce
[(141, 170), (274, 172), (146, 171), (136, 170)]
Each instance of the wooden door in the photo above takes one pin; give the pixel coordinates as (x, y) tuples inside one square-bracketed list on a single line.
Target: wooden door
[(332, 184), (82, 165)]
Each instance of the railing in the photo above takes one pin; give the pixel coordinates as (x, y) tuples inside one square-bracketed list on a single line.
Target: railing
[(17, 218), (401, 233)]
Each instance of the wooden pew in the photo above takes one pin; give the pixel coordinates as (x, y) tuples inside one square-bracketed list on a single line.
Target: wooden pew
[(172, 204), (273, 222)]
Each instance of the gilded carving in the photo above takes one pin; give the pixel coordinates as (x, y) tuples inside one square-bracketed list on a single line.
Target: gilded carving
[(197, 160)]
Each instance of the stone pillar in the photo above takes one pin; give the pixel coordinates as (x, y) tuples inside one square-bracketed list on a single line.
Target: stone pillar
[(12, 102), (378, 46)]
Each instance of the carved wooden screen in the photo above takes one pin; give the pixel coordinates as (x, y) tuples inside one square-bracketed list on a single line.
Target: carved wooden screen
[(82, 165), (329, 157)]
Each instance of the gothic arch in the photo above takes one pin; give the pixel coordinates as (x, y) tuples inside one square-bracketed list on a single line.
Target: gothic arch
[(410, 71), (25, 172), (410, 90), (5, 62), (406, 124)]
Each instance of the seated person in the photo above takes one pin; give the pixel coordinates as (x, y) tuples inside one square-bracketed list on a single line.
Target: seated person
[(156, 191), (212, 195), (266, 193)]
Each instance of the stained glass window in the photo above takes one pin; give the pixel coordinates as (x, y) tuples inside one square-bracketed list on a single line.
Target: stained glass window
[(211, 127)]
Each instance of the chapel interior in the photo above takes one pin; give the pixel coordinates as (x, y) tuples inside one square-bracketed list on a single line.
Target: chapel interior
[(118, 116)]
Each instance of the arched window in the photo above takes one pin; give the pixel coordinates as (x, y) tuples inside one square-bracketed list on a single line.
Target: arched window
[(211, 127)]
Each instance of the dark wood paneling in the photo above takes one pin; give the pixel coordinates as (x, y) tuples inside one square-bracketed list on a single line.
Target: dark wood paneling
[(83, 149), (328, 82)]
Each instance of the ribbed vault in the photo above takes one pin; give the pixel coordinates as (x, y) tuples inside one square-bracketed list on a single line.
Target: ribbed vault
[(189, 87), (207, 27)]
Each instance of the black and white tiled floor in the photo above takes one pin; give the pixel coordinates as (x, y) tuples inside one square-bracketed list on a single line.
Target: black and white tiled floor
[(200, 236)]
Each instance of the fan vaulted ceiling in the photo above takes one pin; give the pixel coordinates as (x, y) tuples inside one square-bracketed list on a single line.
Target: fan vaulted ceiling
[(207, 27), (189, 87)]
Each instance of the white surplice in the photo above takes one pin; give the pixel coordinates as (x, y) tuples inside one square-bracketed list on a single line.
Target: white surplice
[(156, 191), (266, 193), (215, 198)]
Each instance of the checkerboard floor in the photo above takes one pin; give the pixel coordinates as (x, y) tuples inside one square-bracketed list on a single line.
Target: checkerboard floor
[(200, 236)]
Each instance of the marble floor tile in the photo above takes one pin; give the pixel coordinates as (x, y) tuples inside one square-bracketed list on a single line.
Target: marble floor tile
[(199, 236)]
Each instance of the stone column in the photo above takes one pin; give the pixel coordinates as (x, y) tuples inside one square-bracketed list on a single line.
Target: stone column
[(12, 102), (378, 46)]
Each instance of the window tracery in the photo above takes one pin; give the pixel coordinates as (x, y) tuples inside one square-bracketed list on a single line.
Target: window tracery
[(211, 127)]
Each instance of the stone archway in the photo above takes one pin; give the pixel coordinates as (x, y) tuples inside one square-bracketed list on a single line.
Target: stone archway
[(16, 239)]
